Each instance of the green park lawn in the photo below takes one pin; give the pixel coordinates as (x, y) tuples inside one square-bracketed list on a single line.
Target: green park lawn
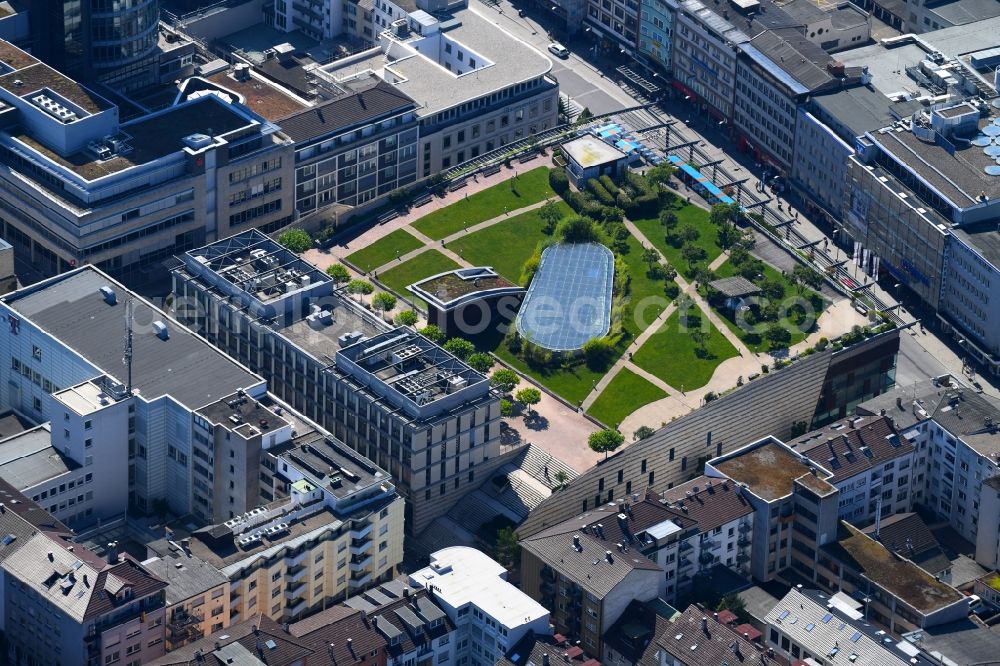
[(384, 250), (413, 270), (671, 354), (798, 325), (623, 395), (506, 245), (687, 215), (647, 299), (574, 383), (530, 187)]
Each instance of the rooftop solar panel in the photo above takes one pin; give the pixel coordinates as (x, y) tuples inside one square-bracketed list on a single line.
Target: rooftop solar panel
[(569, 300)]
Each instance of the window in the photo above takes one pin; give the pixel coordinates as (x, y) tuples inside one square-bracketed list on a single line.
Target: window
[(87, 425)]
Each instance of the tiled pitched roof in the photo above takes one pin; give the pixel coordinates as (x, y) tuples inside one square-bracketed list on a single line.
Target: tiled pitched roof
[(344, 112), (700, 647), (588, 567), (908, 535), (127, 572), (712, 502), (532, 649), (838, 448), (256, 634)]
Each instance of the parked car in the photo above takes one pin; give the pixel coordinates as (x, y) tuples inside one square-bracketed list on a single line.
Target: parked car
[(558, 50)]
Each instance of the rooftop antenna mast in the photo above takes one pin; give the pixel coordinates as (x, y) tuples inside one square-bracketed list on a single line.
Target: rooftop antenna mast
[(127, 358)]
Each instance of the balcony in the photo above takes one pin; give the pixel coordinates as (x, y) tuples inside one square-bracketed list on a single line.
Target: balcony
[(685, 546), (360, 546), (295, 560), (706, 558), (361, 532), (361, 563), (293, 575), (296, 609), (356, 581), (294, 590), (743, 541), (744, 528)]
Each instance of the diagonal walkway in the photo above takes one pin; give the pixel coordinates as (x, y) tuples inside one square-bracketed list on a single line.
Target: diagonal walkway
[(690, 290), (442, 245)]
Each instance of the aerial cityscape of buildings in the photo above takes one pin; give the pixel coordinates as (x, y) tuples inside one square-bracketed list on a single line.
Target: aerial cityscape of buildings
[(499, 332)]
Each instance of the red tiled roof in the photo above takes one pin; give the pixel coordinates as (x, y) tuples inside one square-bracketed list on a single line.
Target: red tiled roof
[(727, 617), (574, 652), (751, 633)]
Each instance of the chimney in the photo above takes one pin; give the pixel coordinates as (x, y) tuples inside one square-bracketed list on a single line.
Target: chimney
[(286, 627), (704, 625), (620, 547), (218, 645), (113, 552), (608, 557), (735, 647), (545, 659), (600, 530), (406, 593), (256, 629), (576, 543), (52, 556)]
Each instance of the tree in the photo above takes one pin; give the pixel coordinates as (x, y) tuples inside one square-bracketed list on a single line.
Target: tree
[(729, 236), (803, 276), (584, 116), (383, 301), (550, 215), (693, 253), (460, 347), (360, 287), (642, 432), (650, 256), (700, 340), (560, 477), (505, 380), (296, 240), (668, 219), (599, 353), (577, 229), (338, 273), (778, 335), (529, 397), (773, 289), (506, 407), (433, 333), (605, 441), (508, 549), (724, 214), (405, 318), (480, 362), (660, 174), (689, 233)]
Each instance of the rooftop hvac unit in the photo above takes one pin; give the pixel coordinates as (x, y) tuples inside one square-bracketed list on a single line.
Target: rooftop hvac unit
[(161, 330)]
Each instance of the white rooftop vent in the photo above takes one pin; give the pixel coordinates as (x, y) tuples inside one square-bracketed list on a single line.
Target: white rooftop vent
[(197, 141), (161, 330)]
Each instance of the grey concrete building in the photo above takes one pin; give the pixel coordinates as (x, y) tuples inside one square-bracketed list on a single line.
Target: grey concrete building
[(427, 418), (79, 187)]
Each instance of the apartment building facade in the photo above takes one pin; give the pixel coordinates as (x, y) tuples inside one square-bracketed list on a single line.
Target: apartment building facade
[(80, 187), (656, 33), (436, 438), (617, 21), (197, 597), (354, 149)]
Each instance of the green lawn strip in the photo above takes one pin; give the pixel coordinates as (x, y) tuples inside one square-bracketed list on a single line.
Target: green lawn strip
[(574, 383), (506, 245), (413, 270), (670, 354), (623, 395), (530, 187), (687, 215), (384, 250), (770, 273), (647, 299)]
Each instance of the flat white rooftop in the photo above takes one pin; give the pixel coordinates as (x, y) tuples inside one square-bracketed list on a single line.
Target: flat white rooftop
[(589, 151), (462, 575)]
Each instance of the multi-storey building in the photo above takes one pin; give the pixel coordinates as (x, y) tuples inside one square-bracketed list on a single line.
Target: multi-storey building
[(197, 597), (354, 148), (957, 444), (77, 186), (656, 33), (490, 615), (390, 394), (71, 607), (109, 42), (872, 466), (148, 413), (786, 490), (684, 534), (476, 86), (617, 21), (334, 528)]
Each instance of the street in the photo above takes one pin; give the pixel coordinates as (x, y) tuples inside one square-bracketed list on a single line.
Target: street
[(588, 82)]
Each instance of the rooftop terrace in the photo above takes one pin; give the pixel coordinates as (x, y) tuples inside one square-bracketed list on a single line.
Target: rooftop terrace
[(448, 289), (768, 468)]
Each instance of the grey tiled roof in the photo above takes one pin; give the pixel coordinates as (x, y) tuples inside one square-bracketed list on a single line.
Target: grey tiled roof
[(345, 112)]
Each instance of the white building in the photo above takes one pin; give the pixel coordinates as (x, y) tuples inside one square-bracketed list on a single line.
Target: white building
[(957, 442), (473, 590), (871, 463)]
